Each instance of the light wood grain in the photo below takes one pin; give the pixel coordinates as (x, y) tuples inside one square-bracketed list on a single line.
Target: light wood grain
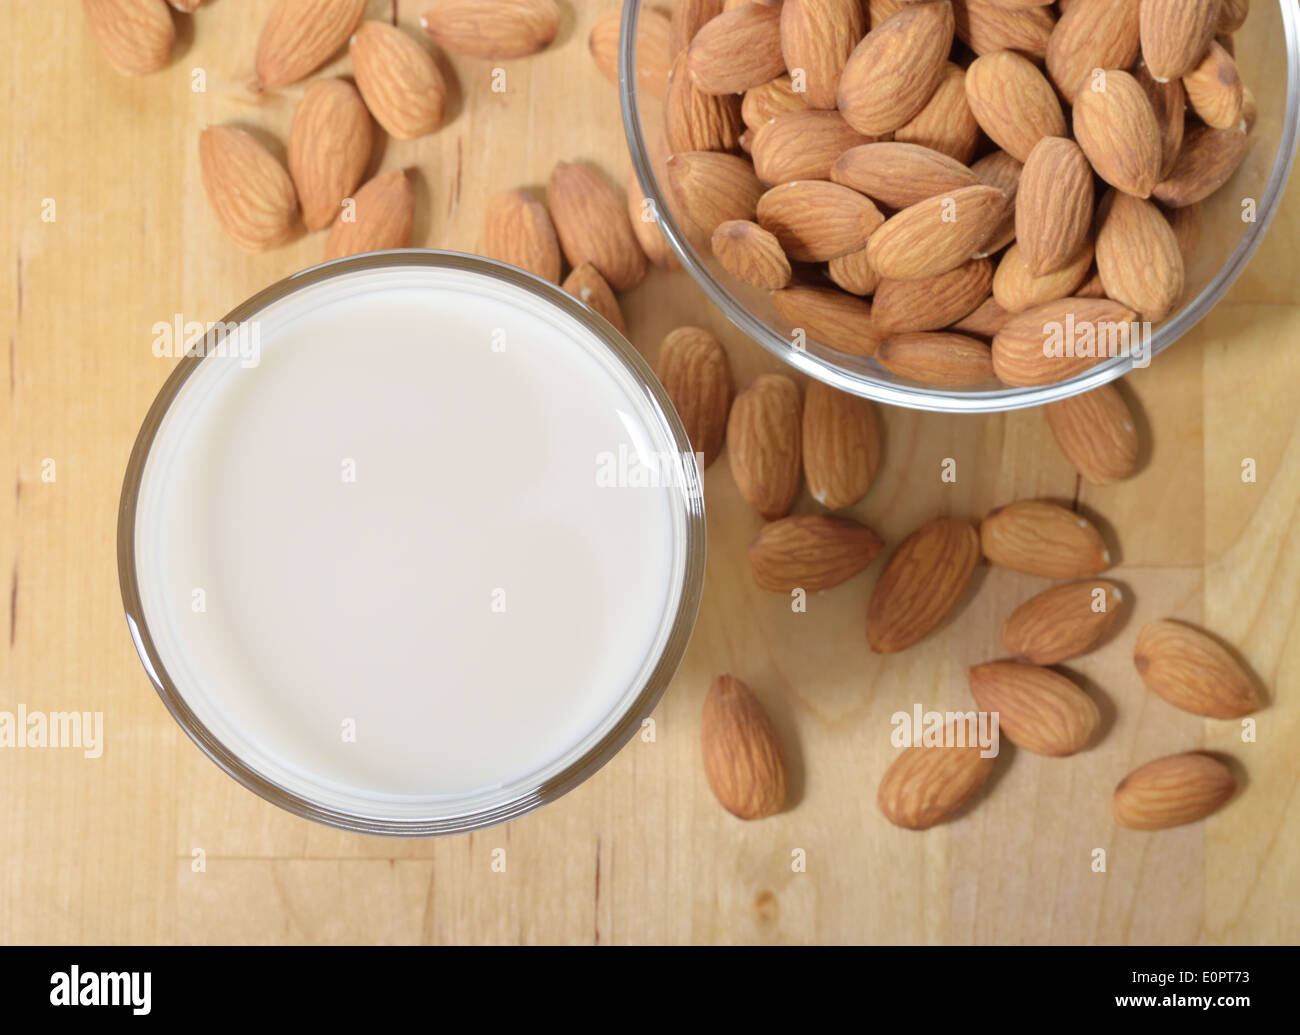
[(104, 850)]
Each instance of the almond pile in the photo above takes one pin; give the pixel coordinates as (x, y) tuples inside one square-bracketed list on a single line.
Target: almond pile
[(934, 184)]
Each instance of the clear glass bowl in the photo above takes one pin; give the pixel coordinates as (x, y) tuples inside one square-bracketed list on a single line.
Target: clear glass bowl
[(1268, 50)]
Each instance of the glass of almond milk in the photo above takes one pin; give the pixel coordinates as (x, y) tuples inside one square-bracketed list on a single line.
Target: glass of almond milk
[(411, 543)]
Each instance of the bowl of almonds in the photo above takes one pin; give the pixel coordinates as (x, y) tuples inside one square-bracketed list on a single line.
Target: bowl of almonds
[(962, 205)]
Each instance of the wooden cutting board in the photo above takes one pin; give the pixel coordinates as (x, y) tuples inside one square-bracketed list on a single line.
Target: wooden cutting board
[(108, 232)]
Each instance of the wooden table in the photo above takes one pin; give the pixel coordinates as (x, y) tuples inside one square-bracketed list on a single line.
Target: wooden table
[(151, 842)]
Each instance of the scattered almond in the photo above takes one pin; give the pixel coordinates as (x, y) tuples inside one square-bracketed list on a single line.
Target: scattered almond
[(587, 285), (381, 216), (842, 445), (812, 552), (1097, 433), (644, 217), (301, 35), (743, 759), (329, 148), (517, 230), (925, 786), (398, 79), (250, 192), (694, 371), (1039, 710), (493, 28), (1041, 538), (136, 36), (1192, 671), (1062, 622), (593, 226), (1172, 791), (763, 434)]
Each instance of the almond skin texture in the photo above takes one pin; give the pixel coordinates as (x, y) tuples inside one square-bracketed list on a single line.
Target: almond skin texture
[(763, 103), (1169, 102), (136, 36), (1092, 34), (587, 285), (901, 306), (743, 758), (986, 27), (493, 28), (1025, 348), (698, 121), (946, 123), (1175, 33), (1172, 791), (645, 224), (1192, 671), (714, 188), (998, 169), (738, 49), (812, 552), (329, 148), (816, 221), (828, 316), (250, 192), (752, 254), (1097, 433), (925, 785), (853, 273), (1039, 710), (895, 69), (688, 18), (694, 370), (818, 36), (900, 175), (937, 358), (1016, 289), (1013, 102), (922, 584), (1062, 622), (518, 231), (1041, 538), (1117, 129), (763, 433), (301, 35), (384, 211), (841, 445), (1053, 205), (401, 85), (652, 48), (1207, 161), (1138, 257), (593, 226), (1214, 89), (984, 322), (936, 235), (802, 145)]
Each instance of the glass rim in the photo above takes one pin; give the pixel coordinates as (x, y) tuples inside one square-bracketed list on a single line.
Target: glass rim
[(923, 397), (680, 627)]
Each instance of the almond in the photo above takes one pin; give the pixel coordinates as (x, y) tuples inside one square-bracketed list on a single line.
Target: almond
[(1175, 33), (493, 28), (752, 254), (937, 358), (329, 148), (830, 317), (928, 304), (1041, 538), (936, 235), (817, 37), (1232, 15), (1116, 126), (1207, 161), (998, 169), (1062, 622), (1172, 791), (1169, 102), (895, 69), (1013, 102), (815, 221), (984, 322), (946, 123), (926, 785), (743, 759), (398, 79), (249, 190), (1097, 433), (644, 216), (698, 121), (1214, 89), (593, 226), (924, 581), (1186, 222), (738, 49), (301, 35), (517, 230), (802, 145), (714, 188), (380, 218), (853, 273), (1039, 710), (1016, 289), (900, 175), (688, 18), (771, 100), (1053, 205), (587, 285), (1192, 671), (986, 27), (812, 552), (763, 434), (695, 373), (841, 445), (652, 48), (1093, 34), (135, 35), (1056, 340), (1138, 257)]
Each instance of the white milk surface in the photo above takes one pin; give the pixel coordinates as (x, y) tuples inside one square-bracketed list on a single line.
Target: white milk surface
[(325, 540)]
